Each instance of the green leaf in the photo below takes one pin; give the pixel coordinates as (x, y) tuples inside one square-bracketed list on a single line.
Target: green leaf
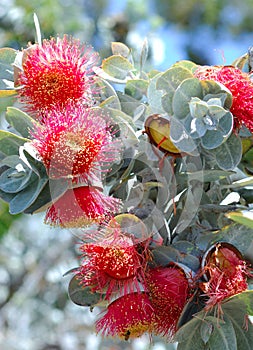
[(222, 336), (7, 57), (25, 198), (244, 217), (188, 336), (186, 247), (12, 181), (206, 330), (168, 82), (51, 192), (43, 200), (172, 78), (228, 154), (128, 104), (144, 54), (155, 96), (7, 197), (167, 103), (192, 199), (12, 161), (126, 126), (119, 48), (37, 166), (82, 295), (209, 175), (108, 95), (186, 90), (236, 309), (6, 102), (247, 160), (231, 331), (180, 137), (239, 235), (244, 301), (165, 254), (241, 61), (216, 89), (214, 138), (10, 143), (20, 121), (136, 88), (191, 66), (247, 181), (6, 219), (192, 307), (117, 66)]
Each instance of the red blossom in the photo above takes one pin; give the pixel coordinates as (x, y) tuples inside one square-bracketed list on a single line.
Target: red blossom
[(113, 262), (75, 142), (127, 317), (56, 72), (169, 290), (82, 206), (240, 86), (227, 274)]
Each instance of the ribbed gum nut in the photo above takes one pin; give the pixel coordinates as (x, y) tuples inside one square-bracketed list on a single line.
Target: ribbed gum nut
[(214, 256), (132, 226), (158, 130)]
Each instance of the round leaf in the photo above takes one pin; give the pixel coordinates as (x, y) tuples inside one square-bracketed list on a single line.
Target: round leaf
[(12, 181), (20, 121), (172, 78), (82, 295), (119, 48), (155, 96), (229, 153), (10, 143), (117, 66), (180, 137), (186, 90)]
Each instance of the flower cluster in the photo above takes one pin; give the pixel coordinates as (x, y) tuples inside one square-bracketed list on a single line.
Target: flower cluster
[(74, 140), (142, 298)]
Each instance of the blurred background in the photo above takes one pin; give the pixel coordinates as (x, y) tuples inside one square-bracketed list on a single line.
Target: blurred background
[(35, 311)]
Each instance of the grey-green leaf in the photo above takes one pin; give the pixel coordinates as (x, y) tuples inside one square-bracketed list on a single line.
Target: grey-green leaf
[(20, 121), (186, 90), (223, 336), (25, 198), (172, 78), (12, 181), (189, 337), (229, 153), (10, 143), (82, 295), (180, 137)]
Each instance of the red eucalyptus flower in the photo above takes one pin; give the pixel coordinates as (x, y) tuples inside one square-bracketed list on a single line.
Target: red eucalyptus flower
[(169, 290), (227, 274), (127, 317), (75, 142), (113, 262), (240, 86), (81, 206), (56, 72)]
